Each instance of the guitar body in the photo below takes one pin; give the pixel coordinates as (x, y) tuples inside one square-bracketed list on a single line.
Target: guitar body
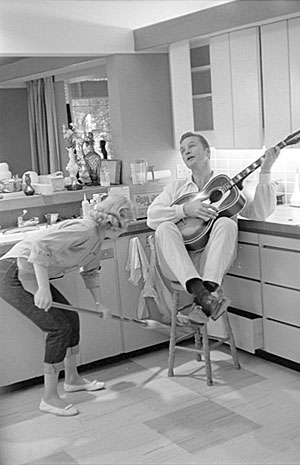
[(195, 231)]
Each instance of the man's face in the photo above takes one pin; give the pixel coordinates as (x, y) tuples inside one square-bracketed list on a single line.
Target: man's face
[(192, 152)]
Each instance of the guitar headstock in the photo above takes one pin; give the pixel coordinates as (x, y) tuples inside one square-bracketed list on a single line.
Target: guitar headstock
[(291, 139)]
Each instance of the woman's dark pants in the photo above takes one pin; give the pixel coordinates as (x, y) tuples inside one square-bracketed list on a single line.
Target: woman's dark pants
[(62, 326)]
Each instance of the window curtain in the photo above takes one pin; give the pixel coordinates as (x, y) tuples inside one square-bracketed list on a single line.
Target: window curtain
[(45, 154)]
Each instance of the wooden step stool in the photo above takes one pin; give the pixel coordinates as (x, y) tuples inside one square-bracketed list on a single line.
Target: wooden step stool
[(199, 330)]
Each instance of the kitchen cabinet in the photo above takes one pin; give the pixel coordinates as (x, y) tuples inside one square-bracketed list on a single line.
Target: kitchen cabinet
[(135, 336), (201, 88), (99, 338), (181, 89), (242, 286), (236, 89), (21, 347), (281, 84), (280, 264)]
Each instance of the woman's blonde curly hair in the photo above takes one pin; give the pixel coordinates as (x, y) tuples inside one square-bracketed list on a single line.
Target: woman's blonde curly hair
[(114, 212)]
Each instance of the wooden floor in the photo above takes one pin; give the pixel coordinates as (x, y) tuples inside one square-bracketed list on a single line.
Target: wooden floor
[(249, 416)]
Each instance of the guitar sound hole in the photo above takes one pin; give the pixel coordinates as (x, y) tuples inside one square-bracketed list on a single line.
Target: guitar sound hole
[(215, 196)]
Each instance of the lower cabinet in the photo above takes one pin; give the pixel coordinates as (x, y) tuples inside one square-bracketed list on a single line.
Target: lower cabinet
[(280, 264), (263, 285), (21, 346), (242, 286), (135, 336), (99, 338)]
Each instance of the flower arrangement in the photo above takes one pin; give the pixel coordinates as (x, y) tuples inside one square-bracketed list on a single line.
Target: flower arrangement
[(71, 135), (74, 141)]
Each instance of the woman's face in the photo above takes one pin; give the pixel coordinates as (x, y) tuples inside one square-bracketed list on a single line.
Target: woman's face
[(115, 233)]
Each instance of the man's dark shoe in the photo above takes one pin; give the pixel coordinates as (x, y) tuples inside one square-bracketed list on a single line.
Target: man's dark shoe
[(213, 306)]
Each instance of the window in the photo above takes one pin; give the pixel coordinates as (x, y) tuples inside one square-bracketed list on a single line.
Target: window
[(89, 110)]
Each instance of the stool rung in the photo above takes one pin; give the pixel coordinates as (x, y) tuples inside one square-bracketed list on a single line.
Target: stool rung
[(218, 343), (188, 349)]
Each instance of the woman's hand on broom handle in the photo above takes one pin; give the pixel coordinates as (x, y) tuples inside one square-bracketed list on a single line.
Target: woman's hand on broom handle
[(104, 310)]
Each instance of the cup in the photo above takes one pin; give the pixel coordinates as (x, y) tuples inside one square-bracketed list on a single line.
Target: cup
[(51, 218)]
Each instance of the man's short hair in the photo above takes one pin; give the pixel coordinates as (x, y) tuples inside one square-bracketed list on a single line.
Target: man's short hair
[(202, 139)]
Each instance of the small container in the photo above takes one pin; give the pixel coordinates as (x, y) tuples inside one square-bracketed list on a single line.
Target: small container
[(85, 205), (51, 218), (139, 169)]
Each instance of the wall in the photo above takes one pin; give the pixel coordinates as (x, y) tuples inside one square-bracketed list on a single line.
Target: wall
[(232, 162), (140, 104), (14, 130)]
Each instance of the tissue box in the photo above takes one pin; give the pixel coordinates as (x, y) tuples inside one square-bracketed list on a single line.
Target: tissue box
[(115, 168), (57, 182)]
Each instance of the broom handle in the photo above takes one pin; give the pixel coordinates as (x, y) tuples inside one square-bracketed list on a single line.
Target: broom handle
[(98, 314)]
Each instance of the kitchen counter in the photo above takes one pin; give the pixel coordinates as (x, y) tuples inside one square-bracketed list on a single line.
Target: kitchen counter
[(18, 200), (285, 221)]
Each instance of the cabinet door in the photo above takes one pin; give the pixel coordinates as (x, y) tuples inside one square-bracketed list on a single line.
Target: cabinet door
[(21, 347), (99, 338), (236, 89), (294, 55), (221, 91), (276, 81), (135, 336)]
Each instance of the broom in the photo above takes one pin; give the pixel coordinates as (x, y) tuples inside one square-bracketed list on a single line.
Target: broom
[(148, 324)]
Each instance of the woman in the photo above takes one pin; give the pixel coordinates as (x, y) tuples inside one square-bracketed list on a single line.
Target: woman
[(25, 283)]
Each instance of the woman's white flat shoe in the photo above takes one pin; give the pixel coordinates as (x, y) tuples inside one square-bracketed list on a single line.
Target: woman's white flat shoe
[(68, 411), (91, 386)]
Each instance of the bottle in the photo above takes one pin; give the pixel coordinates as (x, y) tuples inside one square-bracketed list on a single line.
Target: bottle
[(85, 205), (103, 149), (28, 189)]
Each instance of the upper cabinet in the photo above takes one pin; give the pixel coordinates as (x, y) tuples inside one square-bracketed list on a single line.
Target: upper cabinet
[(236, 89), (201, 88), (280, 45)]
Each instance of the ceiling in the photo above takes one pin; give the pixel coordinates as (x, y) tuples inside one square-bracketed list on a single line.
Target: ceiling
[(129, 14)]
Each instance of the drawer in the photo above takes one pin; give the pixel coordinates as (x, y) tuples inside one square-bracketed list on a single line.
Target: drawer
[(250, 238), (243, 293), (282, 340), (281, 304), (247, 262), (280, 242), (247, 332), (281, 267)]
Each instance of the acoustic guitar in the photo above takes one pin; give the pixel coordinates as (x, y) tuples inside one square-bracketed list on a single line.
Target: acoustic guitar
[(225, 194)]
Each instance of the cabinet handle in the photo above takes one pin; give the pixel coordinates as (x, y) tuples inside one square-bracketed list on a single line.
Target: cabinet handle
[(107, 253)]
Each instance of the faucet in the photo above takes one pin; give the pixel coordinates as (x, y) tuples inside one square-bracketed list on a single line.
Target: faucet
[(31, 222)]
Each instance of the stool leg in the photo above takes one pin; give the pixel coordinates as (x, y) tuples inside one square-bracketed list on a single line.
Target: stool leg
[(172, 342), (233, 350), (198, 343), (206, 353)]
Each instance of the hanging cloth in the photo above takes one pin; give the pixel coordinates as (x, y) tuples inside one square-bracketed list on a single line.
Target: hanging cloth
[(156, 301), (137, 262)]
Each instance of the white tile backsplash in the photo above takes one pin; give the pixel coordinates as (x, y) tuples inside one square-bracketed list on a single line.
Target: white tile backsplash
[(231, 162)]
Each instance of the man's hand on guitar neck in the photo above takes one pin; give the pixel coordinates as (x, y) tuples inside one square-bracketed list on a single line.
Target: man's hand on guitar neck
[(269, 159), (200, 209)]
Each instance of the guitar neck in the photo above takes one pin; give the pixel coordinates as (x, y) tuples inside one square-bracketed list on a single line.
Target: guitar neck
[(256, 164)]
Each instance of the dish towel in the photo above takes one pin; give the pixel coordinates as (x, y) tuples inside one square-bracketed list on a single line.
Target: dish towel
[(137, 262), (156, 301)]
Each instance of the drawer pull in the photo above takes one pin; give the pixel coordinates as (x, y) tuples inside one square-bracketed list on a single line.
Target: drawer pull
[(107, 253)]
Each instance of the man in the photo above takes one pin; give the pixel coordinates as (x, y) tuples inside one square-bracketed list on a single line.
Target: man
[(202, 272)]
